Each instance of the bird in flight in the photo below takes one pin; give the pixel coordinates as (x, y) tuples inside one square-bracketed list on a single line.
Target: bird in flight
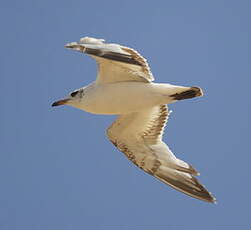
[(124, 87)]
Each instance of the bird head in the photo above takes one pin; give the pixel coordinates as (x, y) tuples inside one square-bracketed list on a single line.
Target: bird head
[(72, 99)]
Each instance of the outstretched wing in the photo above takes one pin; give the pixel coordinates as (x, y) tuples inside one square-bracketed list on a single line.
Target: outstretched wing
[(139, 136), (116, 63)]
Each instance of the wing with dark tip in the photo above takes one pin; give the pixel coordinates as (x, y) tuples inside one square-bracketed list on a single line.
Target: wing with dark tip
[(139, 137), (116, 63)]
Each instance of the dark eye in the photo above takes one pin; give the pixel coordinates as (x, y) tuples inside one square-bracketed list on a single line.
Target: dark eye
[(73, 94)]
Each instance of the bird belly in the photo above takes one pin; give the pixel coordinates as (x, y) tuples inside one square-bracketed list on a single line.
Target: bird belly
[(122, 98)]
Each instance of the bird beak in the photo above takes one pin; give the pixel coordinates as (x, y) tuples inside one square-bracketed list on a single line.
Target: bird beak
[(60, 102)]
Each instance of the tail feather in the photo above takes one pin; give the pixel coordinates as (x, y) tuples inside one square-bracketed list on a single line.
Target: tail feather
[(184, 182), (189, 93)]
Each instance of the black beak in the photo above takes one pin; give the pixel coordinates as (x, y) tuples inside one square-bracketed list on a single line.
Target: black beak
[(60, 102)]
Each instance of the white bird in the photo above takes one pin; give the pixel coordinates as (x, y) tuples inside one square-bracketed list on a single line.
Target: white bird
[(124, 87)]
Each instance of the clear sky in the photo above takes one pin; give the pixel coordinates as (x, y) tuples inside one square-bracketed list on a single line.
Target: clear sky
[(58, 171)]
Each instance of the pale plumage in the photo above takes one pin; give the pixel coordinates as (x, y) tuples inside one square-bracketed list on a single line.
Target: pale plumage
[(113, 59), (124, 87)]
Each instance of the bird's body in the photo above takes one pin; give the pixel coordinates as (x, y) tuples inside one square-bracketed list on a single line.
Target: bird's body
[(125, 97), (124, 87)]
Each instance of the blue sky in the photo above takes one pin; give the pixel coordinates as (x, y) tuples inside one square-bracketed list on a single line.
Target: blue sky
[(57, 168)]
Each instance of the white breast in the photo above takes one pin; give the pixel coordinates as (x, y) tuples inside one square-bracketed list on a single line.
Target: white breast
[(123, 97)]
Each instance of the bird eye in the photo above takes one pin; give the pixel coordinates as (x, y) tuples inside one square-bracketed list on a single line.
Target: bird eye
[(73, 94)]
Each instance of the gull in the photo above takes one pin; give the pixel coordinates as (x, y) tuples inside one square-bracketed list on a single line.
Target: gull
[(124, 87)]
